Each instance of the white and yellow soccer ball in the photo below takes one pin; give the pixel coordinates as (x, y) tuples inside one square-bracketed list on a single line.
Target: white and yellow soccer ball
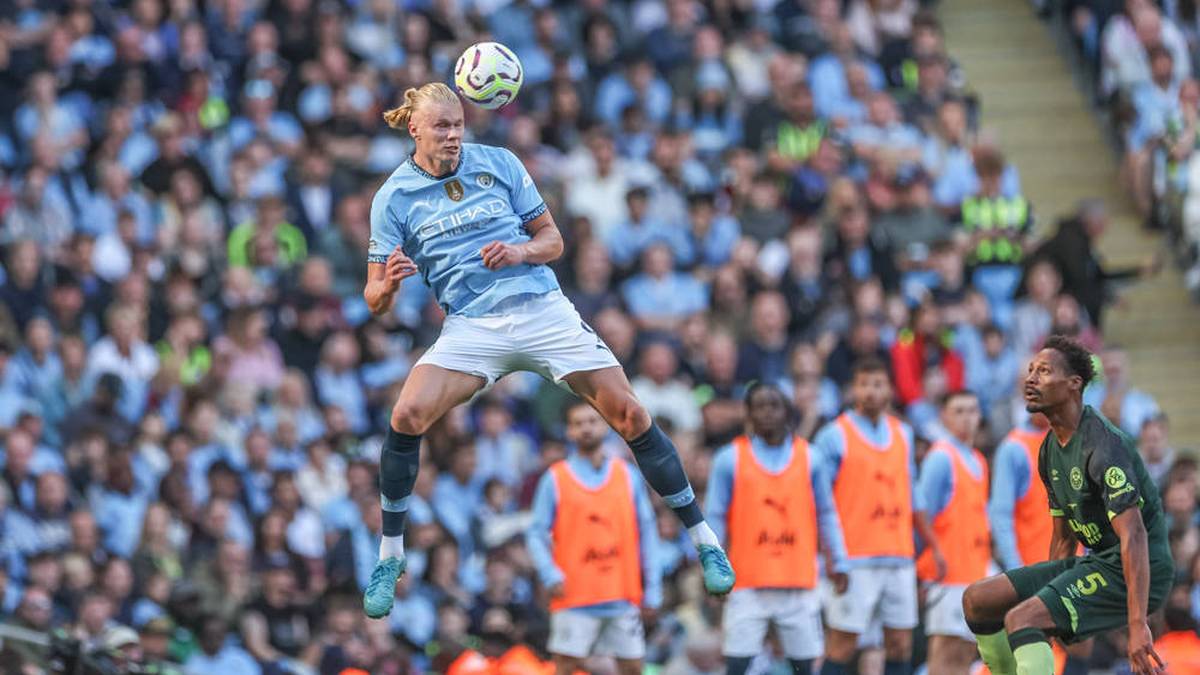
[(489, 75)]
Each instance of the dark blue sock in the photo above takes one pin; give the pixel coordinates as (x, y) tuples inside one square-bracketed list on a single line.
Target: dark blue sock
[(801, 666), (657, 458), (897, 668), (398, 465), (737, 665), (831, 667)]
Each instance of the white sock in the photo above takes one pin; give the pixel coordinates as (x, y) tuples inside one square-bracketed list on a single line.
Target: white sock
[(701, 533), (391, 547)]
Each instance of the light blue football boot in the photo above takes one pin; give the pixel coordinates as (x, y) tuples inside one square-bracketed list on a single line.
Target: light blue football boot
[(381, 589)]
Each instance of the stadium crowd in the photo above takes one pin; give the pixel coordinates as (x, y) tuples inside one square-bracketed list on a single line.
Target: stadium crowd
[(1142, 57), (192, 391)]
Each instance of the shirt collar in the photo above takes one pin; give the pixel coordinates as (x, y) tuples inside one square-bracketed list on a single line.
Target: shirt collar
[(425, 174)]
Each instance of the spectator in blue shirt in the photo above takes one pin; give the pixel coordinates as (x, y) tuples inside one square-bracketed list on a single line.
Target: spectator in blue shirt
[(711, 235), (637, 84), (993, 373), (116, 195), (659, 297), (262, 120), (1114, 395), (338, 381), (626, 241), (119, 506), (828, 72), (50, 512), (219, 652)]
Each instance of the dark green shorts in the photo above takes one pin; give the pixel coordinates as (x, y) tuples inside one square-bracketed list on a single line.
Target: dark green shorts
[(1087, 595)]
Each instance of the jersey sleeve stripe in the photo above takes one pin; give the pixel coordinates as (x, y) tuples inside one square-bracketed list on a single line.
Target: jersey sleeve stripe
[(377, 258), (534, 213)]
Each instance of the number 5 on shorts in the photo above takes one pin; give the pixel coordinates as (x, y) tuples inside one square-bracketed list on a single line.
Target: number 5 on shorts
[(1091, 583)]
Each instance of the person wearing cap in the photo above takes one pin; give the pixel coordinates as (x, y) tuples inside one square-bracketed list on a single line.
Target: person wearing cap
[(121, 645), (155, 638)]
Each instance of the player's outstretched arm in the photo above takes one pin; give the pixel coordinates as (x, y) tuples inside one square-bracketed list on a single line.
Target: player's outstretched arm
[(1135, 560), (383, 280), (545, 246)]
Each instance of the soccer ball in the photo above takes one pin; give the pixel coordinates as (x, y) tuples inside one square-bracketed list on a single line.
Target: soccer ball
[(489, 75)]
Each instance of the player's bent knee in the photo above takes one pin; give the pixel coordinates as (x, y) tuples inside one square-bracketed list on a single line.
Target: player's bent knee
[(1031, 613), (409, 418), (630, 419), (975, 606), (988, 600)]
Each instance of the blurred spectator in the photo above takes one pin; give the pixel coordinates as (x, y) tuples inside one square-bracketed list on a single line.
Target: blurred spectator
[(218, 653), (1072, 251), (922, 347), (1127, 41), (1155, 448), (661, 391), (659, 297), (1122, 403)]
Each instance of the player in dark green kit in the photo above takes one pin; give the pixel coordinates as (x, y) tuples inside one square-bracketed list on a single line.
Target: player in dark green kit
[(1100, 496)]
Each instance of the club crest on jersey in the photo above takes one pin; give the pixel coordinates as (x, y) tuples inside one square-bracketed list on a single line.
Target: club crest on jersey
[(454, 190), (485, 180), (1076, 478)]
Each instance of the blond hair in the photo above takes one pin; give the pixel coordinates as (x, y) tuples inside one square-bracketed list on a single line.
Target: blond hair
[(415, 97)]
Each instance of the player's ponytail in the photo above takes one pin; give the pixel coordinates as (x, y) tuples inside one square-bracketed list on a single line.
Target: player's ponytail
[(414, 97)]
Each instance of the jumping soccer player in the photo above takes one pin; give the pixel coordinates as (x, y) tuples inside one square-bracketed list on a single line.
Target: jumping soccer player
[(766, 489), (593, 541), (469, 219), (1099, 490)]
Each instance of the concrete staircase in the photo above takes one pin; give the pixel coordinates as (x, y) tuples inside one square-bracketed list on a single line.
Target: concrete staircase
[(1041, 118)]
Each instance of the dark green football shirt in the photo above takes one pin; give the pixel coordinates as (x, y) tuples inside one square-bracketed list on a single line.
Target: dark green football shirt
[(1095, 478)]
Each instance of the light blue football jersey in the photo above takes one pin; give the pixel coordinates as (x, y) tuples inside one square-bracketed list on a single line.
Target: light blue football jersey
[(442, 223)]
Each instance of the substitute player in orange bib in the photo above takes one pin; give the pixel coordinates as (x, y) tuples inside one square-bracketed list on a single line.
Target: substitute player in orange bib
[(766, 492)]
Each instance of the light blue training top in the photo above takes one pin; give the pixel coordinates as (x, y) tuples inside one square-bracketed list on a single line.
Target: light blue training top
[(1012, 475), (935, 486), (443, 222)]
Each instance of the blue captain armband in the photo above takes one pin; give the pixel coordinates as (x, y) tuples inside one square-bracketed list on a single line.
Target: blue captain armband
[(534, 213)]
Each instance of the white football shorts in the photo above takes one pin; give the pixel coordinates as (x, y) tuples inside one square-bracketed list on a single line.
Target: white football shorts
[(886, 593), (944, 611), (579, 634), (795, 612), (545, 335)]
